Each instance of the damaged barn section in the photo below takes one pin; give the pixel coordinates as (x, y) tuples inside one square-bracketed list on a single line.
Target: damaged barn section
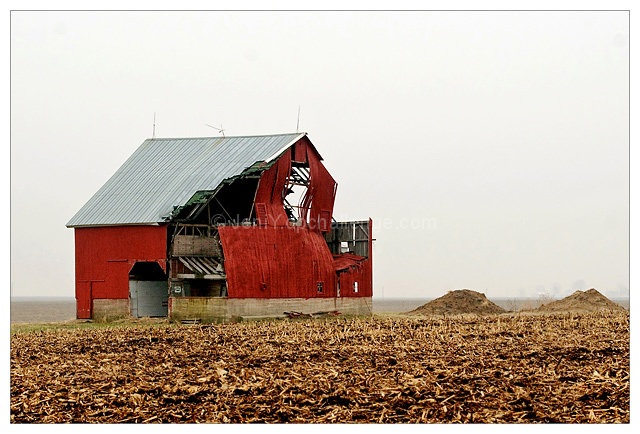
[(220, 229)]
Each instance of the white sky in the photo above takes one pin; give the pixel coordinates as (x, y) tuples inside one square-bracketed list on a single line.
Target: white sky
[(490, 148)]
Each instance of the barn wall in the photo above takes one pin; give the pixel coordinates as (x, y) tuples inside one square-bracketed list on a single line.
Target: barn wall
[(323, 190), (276, 262), (319, 198), (216, 309), (268, 202), (104, 256), (108, 309), (362, 273)]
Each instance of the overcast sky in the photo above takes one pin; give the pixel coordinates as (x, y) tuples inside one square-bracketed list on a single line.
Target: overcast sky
[(490, 148)]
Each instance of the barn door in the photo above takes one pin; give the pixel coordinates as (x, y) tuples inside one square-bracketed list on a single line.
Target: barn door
[(83, 300), (148, 290), (148, 298)]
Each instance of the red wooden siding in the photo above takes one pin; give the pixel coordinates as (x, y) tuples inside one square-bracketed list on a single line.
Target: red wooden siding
[(323, 189), (268, 202), (105, 255), (276, 262), (318, 200), (361, 273)]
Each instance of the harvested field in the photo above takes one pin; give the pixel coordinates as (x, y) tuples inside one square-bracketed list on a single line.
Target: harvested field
[(520, 368), (582, 301), (459, 302)]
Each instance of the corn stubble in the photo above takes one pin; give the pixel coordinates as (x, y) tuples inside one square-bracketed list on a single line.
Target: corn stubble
[(536, 368)]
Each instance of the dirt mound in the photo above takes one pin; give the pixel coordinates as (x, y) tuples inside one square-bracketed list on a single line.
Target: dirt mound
[(582, 301), (462, 301)]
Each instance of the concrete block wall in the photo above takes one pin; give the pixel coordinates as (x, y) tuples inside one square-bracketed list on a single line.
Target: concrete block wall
[(214, 309), (107, 309), (205, 309)]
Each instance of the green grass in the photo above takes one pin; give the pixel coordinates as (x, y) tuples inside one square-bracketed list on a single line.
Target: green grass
[(88, 325)]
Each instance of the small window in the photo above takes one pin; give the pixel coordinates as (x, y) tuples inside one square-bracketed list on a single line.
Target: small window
[(355, 287), (319, 286), (344, 247)]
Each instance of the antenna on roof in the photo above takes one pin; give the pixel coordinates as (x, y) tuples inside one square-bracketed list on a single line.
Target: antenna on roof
[(298, 123), (220, 130), (154, 125)]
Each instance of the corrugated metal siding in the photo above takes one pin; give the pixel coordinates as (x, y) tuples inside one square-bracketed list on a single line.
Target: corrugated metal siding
[(163, 173)]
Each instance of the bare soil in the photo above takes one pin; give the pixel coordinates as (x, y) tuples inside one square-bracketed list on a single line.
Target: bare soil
[(42, 310), (582, 301), (462, 301), (532, 368)]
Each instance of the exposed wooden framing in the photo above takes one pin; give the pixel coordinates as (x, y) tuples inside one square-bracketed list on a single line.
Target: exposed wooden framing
[(354, 234), (223, 209), (253, 203), (206, 276), (300, 172), (197, 208), (213, 263), (202, 266), (297, 177), (211, 196), (304, 173)]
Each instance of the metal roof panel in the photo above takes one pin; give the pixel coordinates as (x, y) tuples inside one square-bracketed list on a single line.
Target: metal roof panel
[(164, 173)]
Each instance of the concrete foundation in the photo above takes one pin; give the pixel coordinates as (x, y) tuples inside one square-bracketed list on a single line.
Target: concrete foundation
[(107, 309), (217, 309)]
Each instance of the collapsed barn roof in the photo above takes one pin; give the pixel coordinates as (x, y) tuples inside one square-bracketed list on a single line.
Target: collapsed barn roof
[(165, 173)]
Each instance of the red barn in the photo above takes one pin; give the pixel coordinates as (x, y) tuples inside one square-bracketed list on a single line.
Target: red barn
[(216, 229)]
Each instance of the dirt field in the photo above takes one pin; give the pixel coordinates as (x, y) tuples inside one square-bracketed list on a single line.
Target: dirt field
[(521, 368), (42, 310)]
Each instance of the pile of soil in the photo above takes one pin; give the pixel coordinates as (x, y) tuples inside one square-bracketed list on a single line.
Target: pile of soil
[(462, 301), (582, 301)]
